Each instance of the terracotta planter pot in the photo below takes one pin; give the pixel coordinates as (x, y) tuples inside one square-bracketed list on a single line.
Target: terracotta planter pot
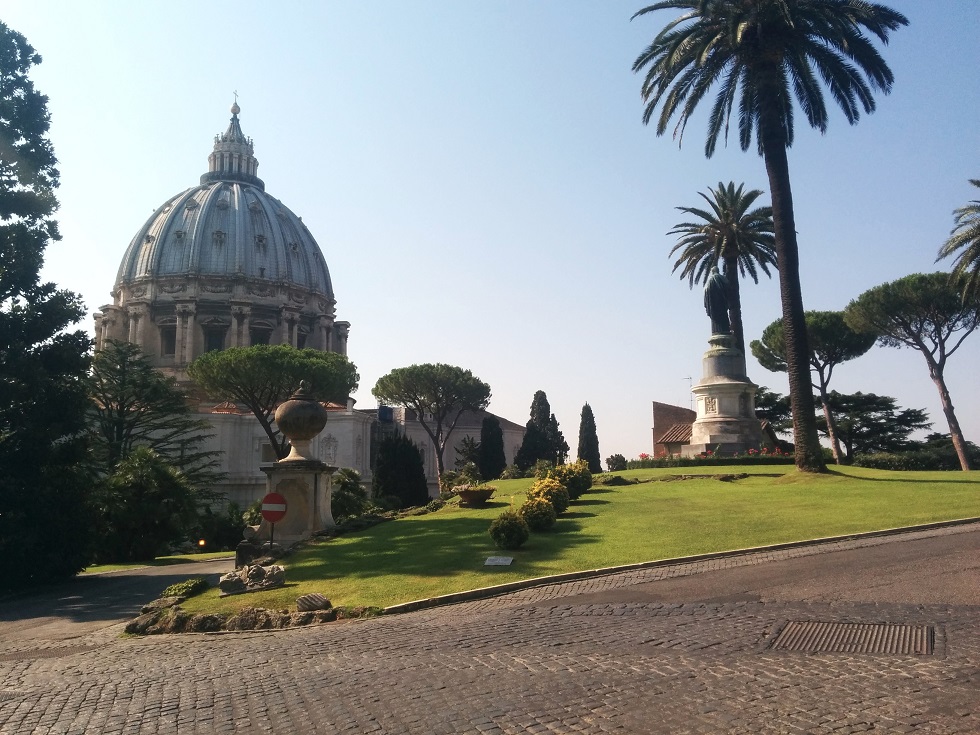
[(470, 498)]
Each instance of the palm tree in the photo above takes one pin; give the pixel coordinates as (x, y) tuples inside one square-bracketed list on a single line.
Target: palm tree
[(762, 54), (728, 233), (966, 239)]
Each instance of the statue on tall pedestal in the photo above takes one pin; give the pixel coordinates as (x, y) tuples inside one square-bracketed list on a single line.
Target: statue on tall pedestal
[(716, 302)]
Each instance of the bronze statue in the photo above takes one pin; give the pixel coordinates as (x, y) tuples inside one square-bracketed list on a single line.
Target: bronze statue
[(716, 302)]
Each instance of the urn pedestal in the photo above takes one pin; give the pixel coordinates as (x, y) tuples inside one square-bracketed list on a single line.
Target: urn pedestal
[(726, 422), (304, 482)]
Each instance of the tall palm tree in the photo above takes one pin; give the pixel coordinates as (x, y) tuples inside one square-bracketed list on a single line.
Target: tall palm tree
[(730, 233), (965, 238), (762, 54)]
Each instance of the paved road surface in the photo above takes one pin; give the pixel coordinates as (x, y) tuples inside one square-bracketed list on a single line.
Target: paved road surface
[(676, 649), (90, 603)]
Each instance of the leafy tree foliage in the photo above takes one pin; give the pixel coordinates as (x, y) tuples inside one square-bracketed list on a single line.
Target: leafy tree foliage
[(399, 472), (135, 405), (774, 408), (964, 242), (438, 394), (831, 342), (45, 527), (924, 312), (468, 451), (144, 505), (491, 459), (348, 497), (728, 232), (616, 463), (868, 423), (588, 440), (261, 377), (543, 439), (760, 54)]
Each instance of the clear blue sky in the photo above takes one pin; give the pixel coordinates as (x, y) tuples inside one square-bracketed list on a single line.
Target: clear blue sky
[(481, 184)]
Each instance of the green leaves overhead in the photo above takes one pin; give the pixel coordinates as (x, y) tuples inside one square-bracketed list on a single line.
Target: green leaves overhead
[(263, 376)]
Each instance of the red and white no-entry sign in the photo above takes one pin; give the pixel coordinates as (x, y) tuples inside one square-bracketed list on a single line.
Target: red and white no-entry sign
[(273, 507)]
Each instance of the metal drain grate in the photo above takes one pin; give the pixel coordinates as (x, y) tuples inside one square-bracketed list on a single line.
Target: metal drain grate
[(45, 653), (856, 638)]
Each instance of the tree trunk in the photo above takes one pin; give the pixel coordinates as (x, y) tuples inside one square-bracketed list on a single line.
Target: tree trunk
[(828, 416), (955, 432), (809, 455), (735, 302)]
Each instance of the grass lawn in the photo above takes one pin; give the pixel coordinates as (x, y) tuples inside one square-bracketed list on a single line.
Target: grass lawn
[(442, 552), (160, 561)]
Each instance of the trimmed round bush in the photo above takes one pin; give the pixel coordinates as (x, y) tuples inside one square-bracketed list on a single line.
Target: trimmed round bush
[(551, 490), (539, 514), (509, 531), (575, 477)]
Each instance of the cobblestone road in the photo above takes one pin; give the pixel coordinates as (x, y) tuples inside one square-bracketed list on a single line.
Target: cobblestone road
[(529, 662)]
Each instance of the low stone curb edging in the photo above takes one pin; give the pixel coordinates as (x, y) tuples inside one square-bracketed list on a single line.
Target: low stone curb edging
[(501, 589)]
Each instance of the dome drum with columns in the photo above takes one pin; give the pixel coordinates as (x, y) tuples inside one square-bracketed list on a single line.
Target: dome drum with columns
[(222, 265)]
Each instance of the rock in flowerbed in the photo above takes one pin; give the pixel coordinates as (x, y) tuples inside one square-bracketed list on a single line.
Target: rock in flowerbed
[(174, 619), (252, 578)]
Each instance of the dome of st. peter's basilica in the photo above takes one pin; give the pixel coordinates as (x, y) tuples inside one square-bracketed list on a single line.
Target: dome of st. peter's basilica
[(222, 264)]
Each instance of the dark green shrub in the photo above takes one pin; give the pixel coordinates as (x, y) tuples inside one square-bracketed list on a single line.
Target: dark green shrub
[(252, 515), (576, 477), (399, 472), (539, 514), (551, 490), (616, 463), (509, 531), (348, 497), (920, 460), (511, 472), (540, 469), (187, 588), (220, 531), (613, 480)]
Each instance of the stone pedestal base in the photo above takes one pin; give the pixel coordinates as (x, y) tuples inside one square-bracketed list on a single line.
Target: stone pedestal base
[(726, 422), (306, 486)]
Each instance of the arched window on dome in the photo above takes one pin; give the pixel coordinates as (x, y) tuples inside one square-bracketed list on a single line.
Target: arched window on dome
[(260, 333), (215, 333)]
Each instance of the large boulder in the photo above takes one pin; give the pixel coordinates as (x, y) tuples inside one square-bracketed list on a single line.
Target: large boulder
[(251, 578)]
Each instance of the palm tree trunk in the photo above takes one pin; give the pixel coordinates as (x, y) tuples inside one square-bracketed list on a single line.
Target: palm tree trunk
[(809, 455), (735, 301)]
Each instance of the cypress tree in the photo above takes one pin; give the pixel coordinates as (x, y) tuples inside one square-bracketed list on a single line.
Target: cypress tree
[(399, 472), (588, 440), (491, 459)]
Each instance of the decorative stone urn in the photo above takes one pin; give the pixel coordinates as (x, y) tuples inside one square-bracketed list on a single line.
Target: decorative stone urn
[(300, 419), (302, 480)]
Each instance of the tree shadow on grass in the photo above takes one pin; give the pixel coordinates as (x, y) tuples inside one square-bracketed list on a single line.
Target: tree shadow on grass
[(956, 476), (577, 514), (590, 502), (441, 546)]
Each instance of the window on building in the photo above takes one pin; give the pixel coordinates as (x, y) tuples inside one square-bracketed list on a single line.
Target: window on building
[(168, 340), (214, 339), (259, 336)]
